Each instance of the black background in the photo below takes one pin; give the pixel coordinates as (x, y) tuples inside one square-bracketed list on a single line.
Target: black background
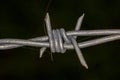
[(24, 19)]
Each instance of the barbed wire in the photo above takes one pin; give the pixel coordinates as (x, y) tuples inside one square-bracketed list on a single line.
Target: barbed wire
[(58, 40)]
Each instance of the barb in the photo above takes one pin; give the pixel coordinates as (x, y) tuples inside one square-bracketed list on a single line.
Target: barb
[(58, 40)]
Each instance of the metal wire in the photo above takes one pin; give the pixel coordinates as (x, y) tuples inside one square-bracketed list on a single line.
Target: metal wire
[(58, 40)]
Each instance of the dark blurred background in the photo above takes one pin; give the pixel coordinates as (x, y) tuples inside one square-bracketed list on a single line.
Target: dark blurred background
[(24, 19)]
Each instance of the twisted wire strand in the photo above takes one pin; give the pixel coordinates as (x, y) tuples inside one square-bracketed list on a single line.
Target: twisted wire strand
[(13, 43), (58, 40)]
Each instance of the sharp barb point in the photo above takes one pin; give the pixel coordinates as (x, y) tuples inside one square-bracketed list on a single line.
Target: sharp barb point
[(79, 22), (42, 50), (78, 52)]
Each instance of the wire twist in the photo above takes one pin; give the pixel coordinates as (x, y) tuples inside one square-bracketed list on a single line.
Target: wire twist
[(59, 40)]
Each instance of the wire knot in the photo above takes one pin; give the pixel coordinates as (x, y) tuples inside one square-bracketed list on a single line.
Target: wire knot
[(57, 39)]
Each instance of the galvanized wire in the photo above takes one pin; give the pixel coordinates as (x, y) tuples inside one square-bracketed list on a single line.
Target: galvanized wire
[(58, 40)]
